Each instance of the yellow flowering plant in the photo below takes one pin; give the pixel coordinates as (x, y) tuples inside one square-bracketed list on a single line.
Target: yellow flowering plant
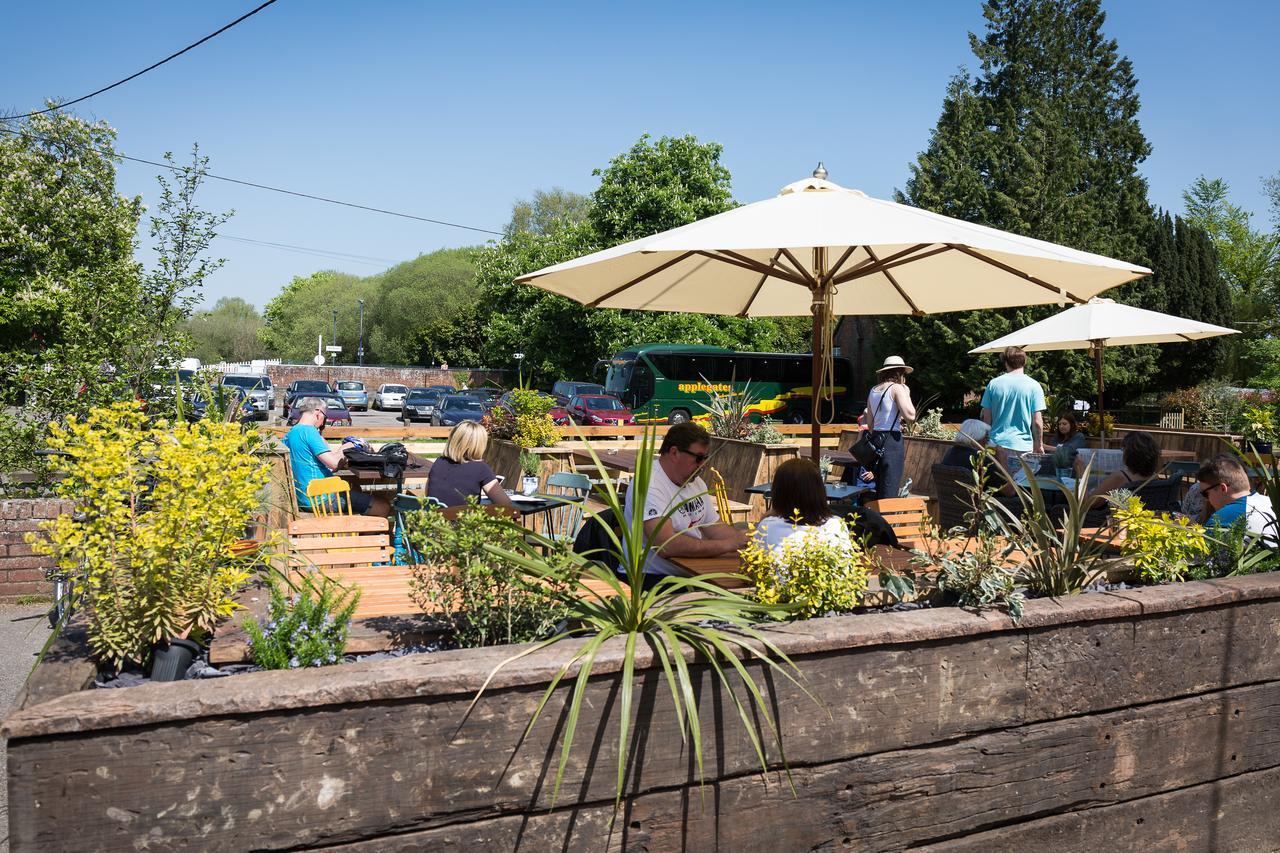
[(159, 507), (1163, 549), (807, 571)]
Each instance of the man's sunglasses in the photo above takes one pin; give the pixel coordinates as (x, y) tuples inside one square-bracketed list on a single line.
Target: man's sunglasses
[(701, 457)]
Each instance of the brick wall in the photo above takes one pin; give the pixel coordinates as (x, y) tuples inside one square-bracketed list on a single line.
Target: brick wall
[(21, 571)]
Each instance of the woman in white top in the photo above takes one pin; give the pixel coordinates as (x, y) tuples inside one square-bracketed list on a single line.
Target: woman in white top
[(799, 508), (888, 408)]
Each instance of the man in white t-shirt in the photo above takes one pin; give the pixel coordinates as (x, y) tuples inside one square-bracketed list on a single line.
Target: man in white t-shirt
[(694, 528)]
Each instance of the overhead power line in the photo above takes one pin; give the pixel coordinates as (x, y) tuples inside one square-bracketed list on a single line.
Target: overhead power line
[(152, 67), (307, 250), (294, 193)]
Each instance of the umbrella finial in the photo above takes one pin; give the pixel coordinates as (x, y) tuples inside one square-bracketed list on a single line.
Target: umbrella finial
[(821, 172)]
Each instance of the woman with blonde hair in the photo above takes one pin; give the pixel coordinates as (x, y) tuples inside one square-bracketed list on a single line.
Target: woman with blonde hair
[(461, 471)]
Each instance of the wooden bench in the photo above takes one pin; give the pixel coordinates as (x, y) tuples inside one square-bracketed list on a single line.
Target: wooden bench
[(354, 551), (909, 518)]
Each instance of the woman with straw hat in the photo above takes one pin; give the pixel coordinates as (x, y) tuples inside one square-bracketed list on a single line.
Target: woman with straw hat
[(888, 408)]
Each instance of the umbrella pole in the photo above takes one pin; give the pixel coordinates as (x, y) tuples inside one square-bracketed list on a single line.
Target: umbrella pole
[(819, 318), (1102, 410)]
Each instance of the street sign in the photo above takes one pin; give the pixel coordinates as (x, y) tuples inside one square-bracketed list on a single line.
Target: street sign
[(318, 360), (333, 349)]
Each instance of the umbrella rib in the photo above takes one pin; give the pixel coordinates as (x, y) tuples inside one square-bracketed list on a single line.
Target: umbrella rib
[(759, 286), (895, 260), (809, 280), (915, 309), (838, 265), (734, 259), (612, 293), (1015, 271)]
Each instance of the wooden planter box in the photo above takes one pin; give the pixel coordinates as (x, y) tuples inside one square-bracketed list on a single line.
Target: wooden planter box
[(743, 464), (1131, 720), (503, 457)]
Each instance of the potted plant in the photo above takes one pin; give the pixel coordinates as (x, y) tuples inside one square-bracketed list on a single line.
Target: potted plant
[(530, 465), (152, 551), (1257, 425)]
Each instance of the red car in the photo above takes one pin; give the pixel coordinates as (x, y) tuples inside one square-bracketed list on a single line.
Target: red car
[(600, 410)]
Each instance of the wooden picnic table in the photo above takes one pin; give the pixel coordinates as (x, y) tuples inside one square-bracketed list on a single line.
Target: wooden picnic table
[(619, 460), (417, 469), (838, 457)]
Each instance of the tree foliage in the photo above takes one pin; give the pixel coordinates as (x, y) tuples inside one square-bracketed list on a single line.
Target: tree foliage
[(1044, 141), (548, 211), (651, 187), (226, 332)]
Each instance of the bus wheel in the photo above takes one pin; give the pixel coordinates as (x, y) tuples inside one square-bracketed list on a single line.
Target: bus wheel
[(678, 416)]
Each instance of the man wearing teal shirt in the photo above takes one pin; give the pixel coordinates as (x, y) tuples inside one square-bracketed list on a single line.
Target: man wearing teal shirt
[(1014, 404), (312, 459)]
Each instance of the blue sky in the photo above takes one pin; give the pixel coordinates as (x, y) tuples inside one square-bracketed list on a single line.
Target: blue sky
[(453, 111)]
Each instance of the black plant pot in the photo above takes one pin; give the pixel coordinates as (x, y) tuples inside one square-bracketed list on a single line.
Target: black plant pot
[(1257, 446), (169, 661)]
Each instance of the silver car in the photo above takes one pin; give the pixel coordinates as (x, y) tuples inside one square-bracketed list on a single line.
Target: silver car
[(258, 388), (390, 397)]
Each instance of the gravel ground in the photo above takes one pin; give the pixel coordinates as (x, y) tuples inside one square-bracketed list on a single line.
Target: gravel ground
[(23, 630)]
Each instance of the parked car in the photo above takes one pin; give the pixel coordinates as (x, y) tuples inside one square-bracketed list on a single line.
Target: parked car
[(303, 388), (389, 396), (443, 389), (488, 397), (565, 390), (258, 387), (559, 414), (354, 393), (420, 404), (336, 412), (456, 408), (600, 410)]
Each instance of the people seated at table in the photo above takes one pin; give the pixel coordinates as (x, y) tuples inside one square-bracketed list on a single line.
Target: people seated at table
[(1225, 484), (694, 527), (1141, 460), (970, 441), (311, 458), (461, 472), (799, 508), (1066, 439)]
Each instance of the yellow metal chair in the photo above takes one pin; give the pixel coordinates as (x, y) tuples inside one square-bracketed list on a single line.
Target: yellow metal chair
[(326, 496), (722, 497)]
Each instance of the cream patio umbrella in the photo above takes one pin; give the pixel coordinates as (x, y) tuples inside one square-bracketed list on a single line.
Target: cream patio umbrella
[(818, 248), (1100, 323)]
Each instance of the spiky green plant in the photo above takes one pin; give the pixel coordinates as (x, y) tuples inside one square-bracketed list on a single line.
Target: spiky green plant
[(730, 411), (677, 616)]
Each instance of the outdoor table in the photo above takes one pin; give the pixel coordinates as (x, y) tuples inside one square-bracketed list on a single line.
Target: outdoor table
[(838, 457), (534, 504), (835, 491), (619, 460), (361, 478)]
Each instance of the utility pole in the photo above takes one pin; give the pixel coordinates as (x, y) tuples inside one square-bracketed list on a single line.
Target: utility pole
[(334, 341), (360, 349)]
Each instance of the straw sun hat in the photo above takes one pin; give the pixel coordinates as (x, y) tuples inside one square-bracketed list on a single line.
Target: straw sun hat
[(894, 362)]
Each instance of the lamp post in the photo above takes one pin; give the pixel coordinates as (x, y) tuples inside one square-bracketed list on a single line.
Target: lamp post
[(519, 357), (360, 347), (334, 340)]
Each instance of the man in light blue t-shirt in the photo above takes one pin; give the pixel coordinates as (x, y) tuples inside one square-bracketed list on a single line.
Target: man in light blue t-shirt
[(1013, 404)]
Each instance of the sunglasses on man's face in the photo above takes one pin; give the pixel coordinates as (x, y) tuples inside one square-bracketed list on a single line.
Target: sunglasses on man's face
[(701, 457)]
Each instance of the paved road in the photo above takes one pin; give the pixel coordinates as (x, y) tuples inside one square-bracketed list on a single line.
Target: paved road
[(23, 630)]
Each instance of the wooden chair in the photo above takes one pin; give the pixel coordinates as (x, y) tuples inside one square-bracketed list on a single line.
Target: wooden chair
[(329, 496), (354, 551), (907, 516)]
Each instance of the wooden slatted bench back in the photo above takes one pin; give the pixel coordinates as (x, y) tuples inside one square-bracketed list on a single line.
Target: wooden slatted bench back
[(354, 551), (908, 517)]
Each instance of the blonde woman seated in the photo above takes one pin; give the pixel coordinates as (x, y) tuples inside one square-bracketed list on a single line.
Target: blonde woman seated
[(461, 471), (799, 508)]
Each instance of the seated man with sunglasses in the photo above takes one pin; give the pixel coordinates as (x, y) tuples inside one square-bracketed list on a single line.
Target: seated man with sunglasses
[(312, 459), (694, 527)]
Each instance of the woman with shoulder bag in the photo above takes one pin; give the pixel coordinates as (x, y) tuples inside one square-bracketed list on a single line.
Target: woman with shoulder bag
[(888, 408)]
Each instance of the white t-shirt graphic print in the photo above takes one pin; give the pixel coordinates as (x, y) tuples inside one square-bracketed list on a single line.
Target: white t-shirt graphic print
[(693, 507)]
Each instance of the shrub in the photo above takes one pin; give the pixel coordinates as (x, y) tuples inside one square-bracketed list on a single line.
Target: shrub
[(765, 432), (528, 422), (729, 411), (1163, 549), (1256, 422), (978, 577), (1094, 425), (487, 599), (809, 572), (307, 628), (159, 507), (930, 426)]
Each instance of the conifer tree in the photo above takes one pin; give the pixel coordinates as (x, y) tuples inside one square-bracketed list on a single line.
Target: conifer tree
[(1044, 141)]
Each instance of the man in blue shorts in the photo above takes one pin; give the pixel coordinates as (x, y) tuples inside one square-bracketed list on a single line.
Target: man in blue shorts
[(312, 459)]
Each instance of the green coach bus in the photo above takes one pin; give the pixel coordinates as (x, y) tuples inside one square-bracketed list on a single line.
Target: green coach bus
[(663, 383)]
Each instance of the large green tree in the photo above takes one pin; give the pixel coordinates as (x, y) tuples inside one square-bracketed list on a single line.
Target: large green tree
[(226, 332), (655, 185), (1043, 141)]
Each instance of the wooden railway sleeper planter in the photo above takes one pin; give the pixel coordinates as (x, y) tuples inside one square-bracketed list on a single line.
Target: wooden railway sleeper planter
[(936, 728)]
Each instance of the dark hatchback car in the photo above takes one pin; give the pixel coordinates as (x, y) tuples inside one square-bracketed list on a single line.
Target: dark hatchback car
[(335, 410), (420, 404), (488, 397), (565, 390), (456, 408), (600, 410), (304, 388)]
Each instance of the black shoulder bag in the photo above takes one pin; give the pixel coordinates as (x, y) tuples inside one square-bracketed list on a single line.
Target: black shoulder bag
[(869, 448)]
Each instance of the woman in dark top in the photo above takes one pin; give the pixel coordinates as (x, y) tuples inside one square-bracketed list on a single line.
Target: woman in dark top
[(1067, 438), (1141, 455), (461, 471)]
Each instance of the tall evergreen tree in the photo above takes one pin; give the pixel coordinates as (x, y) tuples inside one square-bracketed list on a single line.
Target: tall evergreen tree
[(1045, 142)]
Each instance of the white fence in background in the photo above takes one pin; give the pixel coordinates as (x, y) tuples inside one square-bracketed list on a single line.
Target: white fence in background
[(255, 366)]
